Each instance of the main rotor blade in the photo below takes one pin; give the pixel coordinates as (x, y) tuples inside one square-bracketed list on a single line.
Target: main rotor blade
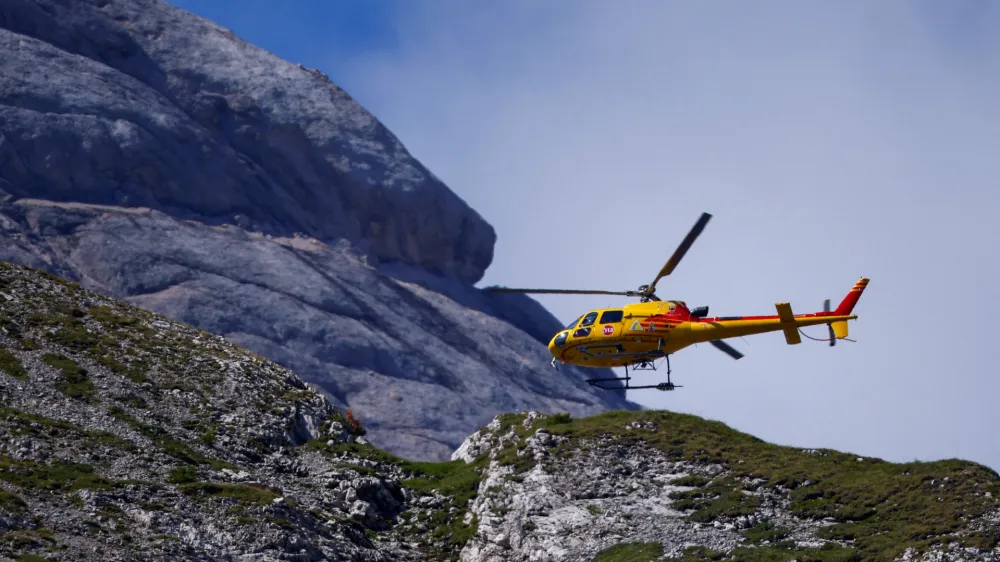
[(562, 291), (681, 250), (726, 348)]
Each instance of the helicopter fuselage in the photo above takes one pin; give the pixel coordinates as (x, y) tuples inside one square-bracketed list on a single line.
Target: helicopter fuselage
[(638, 334), (647, 331)]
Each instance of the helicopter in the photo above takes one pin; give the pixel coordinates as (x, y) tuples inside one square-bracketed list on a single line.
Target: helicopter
[(637, 335)]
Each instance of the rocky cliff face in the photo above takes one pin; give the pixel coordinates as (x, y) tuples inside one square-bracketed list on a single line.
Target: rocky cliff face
[(127, 436), (662, 486), (155, 157), (137, 103), (130, 436)]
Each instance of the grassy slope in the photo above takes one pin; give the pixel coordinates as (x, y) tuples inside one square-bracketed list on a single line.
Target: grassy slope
[(882, 507), (879, 508)]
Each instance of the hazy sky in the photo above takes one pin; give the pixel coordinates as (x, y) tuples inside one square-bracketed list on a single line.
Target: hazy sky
[(829, 140)]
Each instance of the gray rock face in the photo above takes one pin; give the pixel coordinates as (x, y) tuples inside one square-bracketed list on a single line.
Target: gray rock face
[(615, 495), (155, 157), (138, 103), (127, 436), (422, 360)]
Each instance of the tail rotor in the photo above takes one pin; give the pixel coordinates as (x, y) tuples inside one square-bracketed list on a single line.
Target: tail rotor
[(833, 336)]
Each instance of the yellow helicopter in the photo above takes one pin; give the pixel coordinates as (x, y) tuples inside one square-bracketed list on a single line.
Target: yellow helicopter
[(636, 335)]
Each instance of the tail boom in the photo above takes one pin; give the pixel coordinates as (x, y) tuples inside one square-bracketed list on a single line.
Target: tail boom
[(708, 329), (720, 329)]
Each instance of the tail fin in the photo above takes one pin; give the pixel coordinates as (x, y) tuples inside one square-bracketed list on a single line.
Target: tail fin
[(847, 305)]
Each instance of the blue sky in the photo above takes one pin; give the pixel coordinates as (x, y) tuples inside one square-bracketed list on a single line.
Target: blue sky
[(830, 140), (306, 31)]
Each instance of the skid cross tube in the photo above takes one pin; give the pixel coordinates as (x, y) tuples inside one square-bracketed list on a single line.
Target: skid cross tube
[(642, 366)]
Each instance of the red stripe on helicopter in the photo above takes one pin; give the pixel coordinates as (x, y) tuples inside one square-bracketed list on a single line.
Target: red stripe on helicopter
[(770, 317)]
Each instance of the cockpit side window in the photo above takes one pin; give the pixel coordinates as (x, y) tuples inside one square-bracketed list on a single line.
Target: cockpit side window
[(589, 319), (573, 323), (611, 316)]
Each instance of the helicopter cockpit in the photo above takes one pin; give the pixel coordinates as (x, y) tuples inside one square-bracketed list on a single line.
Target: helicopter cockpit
[(573, 324)]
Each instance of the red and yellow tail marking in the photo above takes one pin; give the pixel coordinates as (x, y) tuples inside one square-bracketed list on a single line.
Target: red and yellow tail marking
[(847, 305)]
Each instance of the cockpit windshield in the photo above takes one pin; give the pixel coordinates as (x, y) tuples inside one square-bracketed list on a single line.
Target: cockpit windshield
[(573, 323)]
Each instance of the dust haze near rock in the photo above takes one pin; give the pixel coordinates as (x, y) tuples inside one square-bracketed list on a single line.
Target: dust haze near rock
[(157, 158)]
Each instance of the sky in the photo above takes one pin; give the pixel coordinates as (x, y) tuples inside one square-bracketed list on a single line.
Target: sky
[(829, 141)]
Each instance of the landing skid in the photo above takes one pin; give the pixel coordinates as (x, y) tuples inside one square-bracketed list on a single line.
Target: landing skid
[(638, 365)]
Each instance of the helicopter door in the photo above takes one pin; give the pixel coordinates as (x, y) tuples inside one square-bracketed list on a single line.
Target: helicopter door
[(611, 322)]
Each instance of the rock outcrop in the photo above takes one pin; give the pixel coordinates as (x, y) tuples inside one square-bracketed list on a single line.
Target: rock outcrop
[(155, 157), (663, 486), (130, 436), (138, 103)]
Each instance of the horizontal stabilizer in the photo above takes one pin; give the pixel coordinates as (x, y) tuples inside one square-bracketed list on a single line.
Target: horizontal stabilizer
[(840, 329), (790, 329)]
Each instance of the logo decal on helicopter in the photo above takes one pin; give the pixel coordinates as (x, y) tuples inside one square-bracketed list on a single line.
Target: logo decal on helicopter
[(608, 330)]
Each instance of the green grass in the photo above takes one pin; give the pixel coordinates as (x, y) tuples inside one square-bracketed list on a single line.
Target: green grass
[(693, 480), (74, 383), (720, 497), (883, 507), (111, 320), (366, 452), (57, 476), (631, 552), (563, 417), (447, 531), (70, 330), (455, 478), (208, 437), (12, 503), (29, 344), (166, 443), (23, 423), (765, 532), (183, 475), (240, 492), (135, 372), (12, 365), (828, 553)]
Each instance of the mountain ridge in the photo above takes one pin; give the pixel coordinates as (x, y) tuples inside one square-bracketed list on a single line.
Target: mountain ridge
[(164, 72), (154, 156)]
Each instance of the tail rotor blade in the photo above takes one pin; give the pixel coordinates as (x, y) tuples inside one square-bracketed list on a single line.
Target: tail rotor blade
[(726, 348), (833, 336)]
